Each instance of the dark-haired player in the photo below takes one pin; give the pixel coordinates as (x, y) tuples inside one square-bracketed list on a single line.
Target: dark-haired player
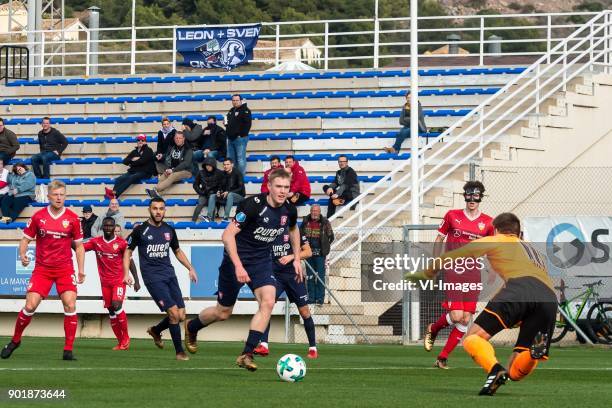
[(154, 238), (55, 228), (247, 260), (527, 299), (296, 291), (458, 228), (110, 249)]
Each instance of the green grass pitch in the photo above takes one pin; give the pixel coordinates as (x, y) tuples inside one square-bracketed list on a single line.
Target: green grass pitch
[(343, 376)]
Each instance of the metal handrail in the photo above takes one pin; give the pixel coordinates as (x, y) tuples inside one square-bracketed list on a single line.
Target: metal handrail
[(14, 70), (453, 139), (322, 30)]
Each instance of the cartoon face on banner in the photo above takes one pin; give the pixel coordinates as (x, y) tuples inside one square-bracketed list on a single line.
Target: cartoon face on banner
[(218, 47)]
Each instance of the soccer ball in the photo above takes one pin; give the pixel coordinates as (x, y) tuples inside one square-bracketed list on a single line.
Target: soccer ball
[(291, 368)]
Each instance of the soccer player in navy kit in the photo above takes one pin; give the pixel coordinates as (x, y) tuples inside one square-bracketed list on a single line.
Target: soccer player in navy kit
[(296, 291), (247, 259), (153, 238)]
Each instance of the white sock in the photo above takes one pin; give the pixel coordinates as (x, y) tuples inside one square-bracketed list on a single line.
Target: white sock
[(312, 348), (264, 344)]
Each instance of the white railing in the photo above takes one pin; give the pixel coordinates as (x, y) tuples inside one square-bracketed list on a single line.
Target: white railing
[(586, 48), (151, 49)]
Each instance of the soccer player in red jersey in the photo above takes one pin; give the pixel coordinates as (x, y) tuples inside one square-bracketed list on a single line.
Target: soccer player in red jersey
[(458, 228), (54, 228), (109, 250)]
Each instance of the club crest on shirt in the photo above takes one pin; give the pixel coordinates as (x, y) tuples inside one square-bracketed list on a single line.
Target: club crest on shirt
[(167, 236), (65, 223), (115, 246), (481, 226), (283, 220)]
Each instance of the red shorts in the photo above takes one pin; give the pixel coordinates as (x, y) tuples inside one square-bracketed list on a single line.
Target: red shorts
[(42, 280), (113, 293), (466, 306)]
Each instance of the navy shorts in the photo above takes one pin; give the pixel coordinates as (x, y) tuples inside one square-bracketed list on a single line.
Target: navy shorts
[(285, 282), (261, 274), (166, 294)]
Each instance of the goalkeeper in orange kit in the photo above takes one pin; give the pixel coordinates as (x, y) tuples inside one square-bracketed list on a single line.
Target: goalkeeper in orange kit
[(526, 300)]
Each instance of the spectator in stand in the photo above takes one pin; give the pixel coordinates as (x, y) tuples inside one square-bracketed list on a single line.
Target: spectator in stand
[(22, 191), (87, 221), (4, 176), (118, 231), (207, 183), (113, 211), (8, 143), (141, 166), (275, 163), (231, 192), (344, 188), (177, 166), (193, 134), (52, 144), (299, 192), (238, 125), (318, 230), (214, 142), (404, 121), (165, 140)]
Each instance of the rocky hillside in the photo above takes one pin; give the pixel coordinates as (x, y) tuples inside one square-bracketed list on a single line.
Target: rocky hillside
[(466, 7)]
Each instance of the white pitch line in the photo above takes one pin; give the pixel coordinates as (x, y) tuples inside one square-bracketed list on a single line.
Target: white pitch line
[(271, 368)]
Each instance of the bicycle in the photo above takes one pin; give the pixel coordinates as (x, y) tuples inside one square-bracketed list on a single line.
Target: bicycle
[(598, 319)]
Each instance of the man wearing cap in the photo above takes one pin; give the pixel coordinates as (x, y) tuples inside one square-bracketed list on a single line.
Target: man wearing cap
[(141, 163), (87, 221)]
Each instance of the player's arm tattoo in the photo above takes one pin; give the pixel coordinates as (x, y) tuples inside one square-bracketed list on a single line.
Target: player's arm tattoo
[(134, 273)]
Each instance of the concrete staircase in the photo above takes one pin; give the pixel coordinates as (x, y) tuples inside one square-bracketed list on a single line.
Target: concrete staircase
[(572, 128)]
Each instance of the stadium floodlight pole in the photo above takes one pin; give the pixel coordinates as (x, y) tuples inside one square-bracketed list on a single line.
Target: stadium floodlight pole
[(414, 112), (133, 42)]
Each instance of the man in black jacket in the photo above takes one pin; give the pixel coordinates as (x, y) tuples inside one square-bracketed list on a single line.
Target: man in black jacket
[(87, 221), (177, 166), (238, 124), (207, 182), (214, 142), (52, 143), (344, 188), (193, 133), (231, 192), (9, 144), (165, 140), (141, 163), (319, 233)]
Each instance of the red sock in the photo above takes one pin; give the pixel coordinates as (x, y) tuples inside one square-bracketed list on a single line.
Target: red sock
[(440, 324), (70, 328), (116, 326), (123, 323), (22, 322), (453, 339)]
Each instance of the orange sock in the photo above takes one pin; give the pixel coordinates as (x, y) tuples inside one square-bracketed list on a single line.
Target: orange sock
[(481, 351), (522, 365)]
